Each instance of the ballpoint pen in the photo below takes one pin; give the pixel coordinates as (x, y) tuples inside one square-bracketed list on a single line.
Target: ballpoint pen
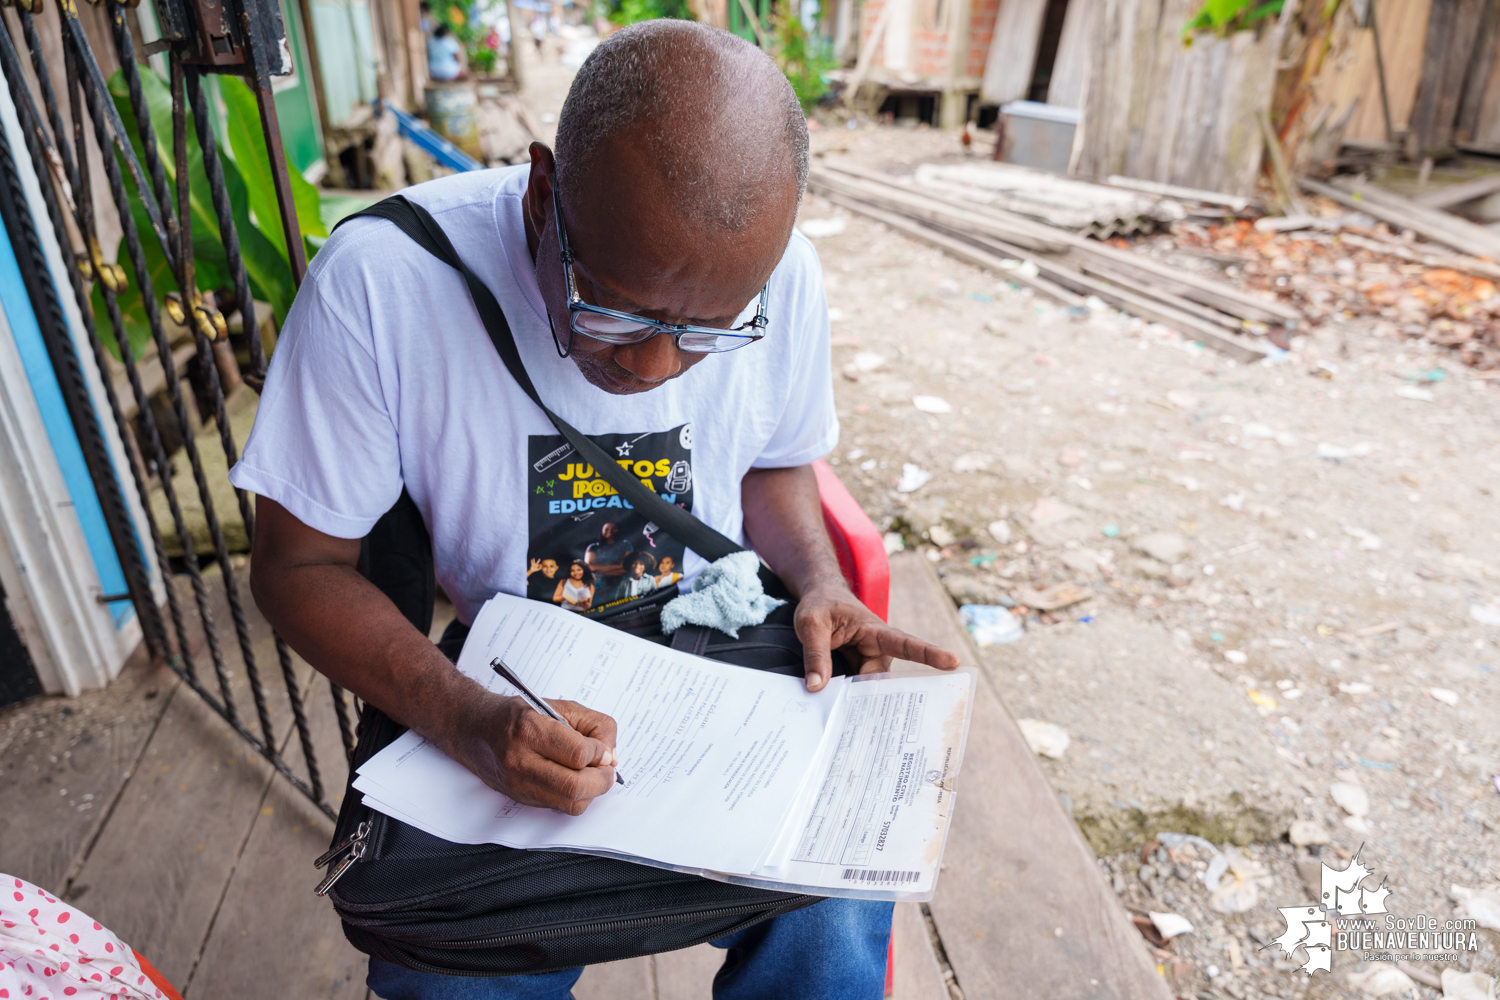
[(535, 701)]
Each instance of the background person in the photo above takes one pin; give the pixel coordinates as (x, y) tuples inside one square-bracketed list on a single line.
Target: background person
[(444, 55)]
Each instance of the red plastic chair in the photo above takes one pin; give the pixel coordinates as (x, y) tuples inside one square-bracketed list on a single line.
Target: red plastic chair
[(858, 543), (861, 551)]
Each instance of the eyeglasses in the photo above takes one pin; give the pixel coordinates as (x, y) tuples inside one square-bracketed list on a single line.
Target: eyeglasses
[(614, 327)]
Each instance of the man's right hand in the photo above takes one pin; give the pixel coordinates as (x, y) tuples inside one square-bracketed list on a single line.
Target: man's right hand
[(538, 761)]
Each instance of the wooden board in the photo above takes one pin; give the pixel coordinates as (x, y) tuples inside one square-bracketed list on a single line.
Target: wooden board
[(918, 976), (1452, 29), (1403, 37), (1157, 110), (1012, 58), (687, 974), (1022, 909), (268, 907), (632, 979), (161, 865), (68, 759)]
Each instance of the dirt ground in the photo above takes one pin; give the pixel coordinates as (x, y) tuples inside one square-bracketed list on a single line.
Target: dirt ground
[(1322, 550)]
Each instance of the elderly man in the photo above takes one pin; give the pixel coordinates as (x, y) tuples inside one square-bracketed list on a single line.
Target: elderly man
[(681, 158)]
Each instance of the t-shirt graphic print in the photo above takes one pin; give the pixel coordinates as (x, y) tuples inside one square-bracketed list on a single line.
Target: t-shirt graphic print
[(588, 549)]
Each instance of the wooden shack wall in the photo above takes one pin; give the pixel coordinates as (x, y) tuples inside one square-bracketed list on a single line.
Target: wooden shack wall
[(1403, 40), (1157, 110)]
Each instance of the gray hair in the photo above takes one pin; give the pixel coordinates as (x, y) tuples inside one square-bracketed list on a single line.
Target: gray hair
[(721, 120)]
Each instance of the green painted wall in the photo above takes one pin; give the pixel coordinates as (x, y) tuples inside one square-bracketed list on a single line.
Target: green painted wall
[(346, 55), (296, 109)]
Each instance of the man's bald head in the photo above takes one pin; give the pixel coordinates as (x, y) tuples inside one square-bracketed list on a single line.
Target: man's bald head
[(718, 121)]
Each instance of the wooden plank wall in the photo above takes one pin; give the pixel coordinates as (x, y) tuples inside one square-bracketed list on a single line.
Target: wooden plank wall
[(1403, 37), (1007, 71), (1162, 112), (1479, 113), (1452, 29), (1070, 73)]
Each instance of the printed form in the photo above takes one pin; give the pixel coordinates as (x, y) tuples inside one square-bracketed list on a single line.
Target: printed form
[(732, 773)]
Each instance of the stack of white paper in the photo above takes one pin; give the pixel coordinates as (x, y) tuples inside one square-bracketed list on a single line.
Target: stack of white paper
[(731, 773)]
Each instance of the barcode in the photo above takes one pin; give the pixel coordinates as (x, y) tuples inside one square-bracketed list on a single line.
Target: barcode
[(862, 875)]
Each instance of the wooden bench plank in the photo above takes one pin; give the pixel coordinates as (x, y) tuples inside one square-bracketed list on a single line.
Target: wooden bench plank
[(269, 908), (631, 979), (918, 976), (67, 758), (1022, 909)]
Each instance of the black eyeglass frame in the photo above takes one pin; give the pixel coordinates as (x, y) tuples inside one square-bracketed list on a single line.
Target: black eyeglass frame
[(677, 331)]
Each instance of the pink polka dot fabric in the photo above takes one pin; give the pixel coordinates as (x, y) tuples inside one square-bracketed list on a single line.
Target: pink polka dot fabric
[(52, 951)]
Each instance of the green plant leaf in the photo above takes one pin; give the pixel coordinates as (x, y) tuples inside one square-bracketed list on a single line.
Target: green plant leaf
[(254, 162), (209, 261)]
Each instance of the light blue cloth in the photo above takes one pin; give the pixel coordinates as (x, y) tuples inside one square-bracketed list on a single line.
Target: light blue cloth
[(726, 596)]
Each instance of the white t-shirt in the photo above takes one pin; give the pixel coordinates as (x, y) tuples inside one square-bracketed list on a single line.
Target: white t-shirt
[(384, 376)]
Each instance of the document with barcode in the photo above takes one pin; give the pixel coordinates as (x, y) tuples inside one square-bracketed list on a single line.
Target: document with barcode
[(731, 773)]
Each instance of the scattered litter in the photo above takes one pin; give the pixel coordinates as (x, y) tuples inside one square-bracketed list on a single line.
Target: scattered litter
[(1382, 980), (1000, 531), (1163, 546), (1482, 905), (1355, 687), (1444, 695), (1183, 400), (1306, 832), (866, 361), (1045, 738), (1170, 925), (1485, 614), (1069, 458), (1050, 599), (932, 404), (913, 478), (1239, 888), (1049, 511), (990, 624), (971, 461), (1235, 502), (1265, 703), (1415, 392), (820, 228), (1430, 375), (1338, 453), (1110, 530), (941, 536), (1467, 985), (1236, 656), (1353, 799), (894, 543)]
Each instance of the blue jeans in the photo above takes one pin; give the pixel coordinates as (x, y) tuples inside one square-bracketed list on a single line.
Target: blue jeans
[(833, 950)]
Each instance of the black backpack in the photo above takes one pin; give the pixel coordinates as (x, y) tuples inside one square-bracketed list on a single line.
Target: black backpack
[(418, 901)]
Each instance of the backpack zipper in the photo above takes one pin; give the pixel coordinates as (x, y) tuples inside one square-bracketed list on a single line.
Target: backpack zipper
[(600, 926), (340, 856)]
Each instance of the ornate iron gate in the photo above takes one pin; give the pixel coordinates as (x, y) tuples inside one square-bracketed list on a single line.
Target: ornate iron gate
[(240, 37)]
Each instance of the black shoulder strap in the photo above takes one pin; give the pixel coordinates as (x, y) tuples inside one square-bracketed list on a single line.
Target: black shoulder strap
[(418, 223)]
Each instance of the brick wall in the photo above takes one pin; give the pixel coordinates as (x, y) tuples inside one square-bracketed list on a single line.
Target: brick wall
[(981, 33), (930, 51)]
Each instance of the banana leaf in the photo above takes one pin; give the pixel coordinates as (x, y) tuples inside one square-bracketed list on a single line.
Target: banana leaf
[(262, 246)]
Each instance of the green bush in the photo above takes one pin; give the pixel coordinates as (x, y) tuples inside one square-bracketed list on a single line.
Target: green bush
[(803, 59), (623, 12), (1225, 16)]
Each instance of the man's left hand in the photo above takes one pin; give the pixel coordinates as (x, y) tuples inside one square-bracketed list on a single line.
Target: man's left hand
[(832, 618)]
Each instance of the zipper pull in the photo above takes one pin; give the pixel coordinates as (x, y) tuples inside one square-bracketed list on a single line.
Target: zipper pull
[(336, 871), (360, 833)]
